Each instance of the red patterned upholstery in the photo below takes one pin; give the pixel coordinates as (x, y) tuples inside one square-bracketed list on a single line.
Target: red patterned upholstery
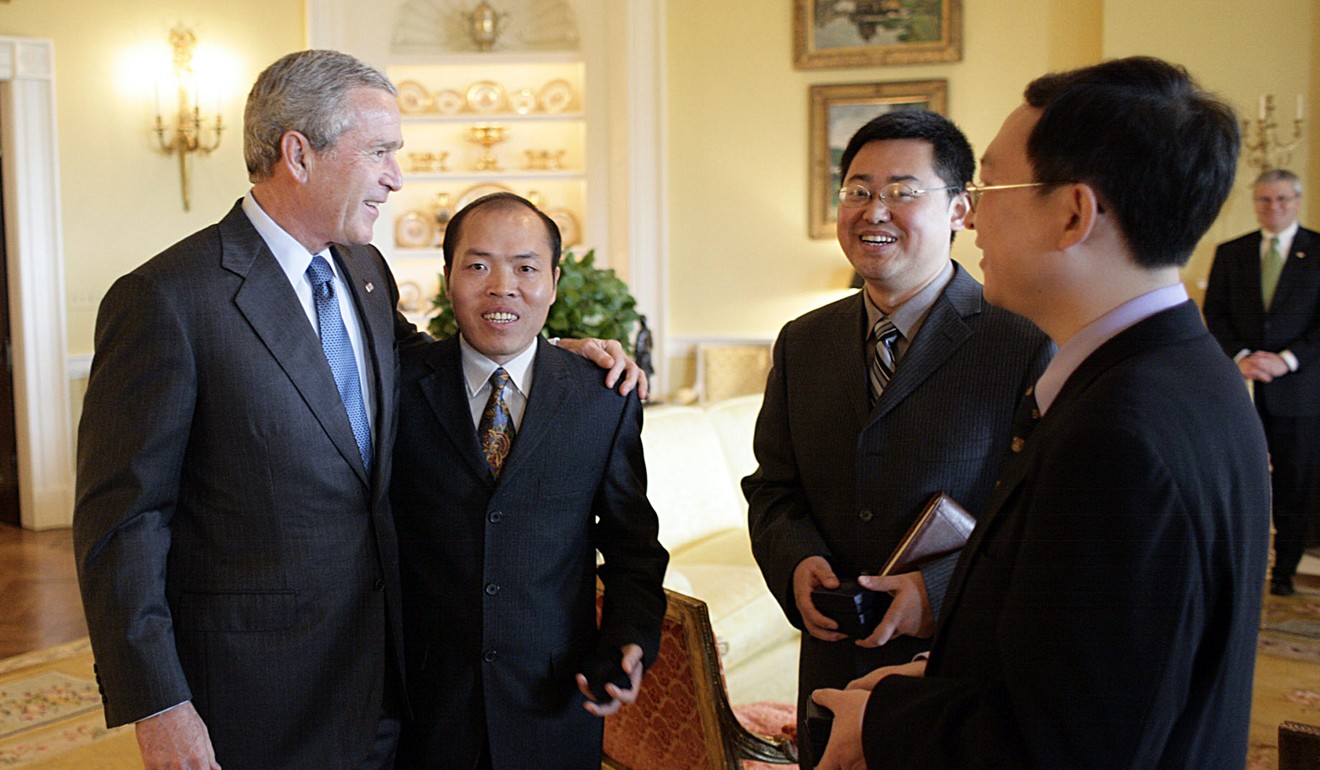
[(682, 719)]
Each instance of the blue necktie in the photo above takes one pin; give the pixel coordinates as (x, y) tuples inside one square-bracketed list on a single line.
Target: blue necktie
[(339, 353)]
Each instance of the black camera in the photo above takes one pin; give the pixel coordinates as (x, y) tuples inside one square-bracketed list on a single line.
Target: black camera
[(857, 610), (819, 720)]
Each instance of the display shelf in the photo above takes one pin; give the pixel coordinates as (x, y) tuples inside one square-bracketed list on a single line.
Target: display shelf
[(492, 117), (519, 175)]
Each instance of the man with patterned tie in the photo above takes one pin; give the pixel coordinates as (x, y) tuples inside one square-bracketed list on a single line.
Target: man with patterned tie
[(235, 550), (878, 401), (513, 468), (1263, 305)]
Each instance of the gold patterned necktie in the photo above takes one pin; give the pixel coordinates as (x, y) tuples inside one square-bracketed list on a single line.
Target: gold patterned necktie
[(495, 429), (1270, 269)]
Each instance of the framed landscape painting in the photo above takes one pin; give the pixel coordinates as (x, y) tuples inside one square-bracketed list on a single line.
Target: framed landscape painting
[(837, 111), (861, 33)]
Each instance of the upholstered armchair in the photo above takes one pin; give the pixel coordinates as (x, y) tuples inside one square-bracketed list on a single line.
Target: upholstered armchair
[(682, 719)]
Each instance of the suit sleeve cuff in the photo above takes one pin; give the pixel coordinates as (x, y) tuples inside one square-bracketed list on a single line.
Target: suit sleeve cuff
[(162, 711), (1289, 359)]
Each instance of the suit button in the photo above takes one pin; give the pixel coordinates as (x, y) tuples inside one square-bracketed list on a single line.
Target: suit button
[(489, 656), (496, 517), (492, 589), (1018, 444), (865, 514), (380, 584)]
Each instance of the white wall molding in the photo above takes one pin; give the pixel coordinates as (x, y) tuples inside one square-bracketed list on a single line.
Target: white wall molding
[(35, 253)]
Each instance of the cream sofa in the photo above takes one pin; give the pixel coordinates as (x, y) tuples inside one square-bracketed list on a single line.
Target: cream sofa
[(695, 458)]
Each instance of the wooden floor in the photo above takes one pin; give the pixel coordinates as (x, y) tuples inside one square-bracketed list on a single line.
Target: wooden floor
[(39, 601)]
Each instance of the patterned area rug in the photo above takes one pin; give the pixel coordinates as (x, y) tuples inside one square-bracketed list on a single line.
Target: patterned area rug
[(1290, 625), (1287, 686), (50, 714)]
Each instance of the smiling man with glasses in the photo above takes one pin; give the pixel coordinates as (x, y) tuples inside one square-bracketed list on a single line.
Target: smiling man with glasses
[(880, 400)]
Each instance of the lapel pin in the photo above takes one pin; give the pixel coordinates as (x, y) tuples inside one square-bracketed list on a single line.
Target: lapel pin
[(370, 287), (1301, 255)]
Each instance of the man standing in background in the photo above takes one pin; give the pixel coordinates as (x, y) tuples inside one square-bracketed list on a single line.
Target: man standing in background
[(1263, 305)]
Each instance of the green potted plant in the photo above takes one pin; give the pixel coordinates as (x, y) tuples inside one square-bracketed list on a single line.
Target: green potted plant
[(590, 302)]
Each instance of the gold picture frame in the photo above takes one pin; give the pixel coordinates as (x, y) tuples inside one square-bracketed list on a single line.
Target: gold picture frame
[(837, 111), (867, 33)]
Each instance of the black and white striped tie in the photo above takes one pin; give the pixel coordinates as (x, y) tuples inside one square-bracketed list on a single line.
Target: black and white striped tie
[(883, 335)]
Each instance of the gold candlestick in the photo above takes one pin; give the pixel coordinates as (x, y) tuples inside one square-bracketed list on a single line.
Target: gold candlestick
[(1260, 138)]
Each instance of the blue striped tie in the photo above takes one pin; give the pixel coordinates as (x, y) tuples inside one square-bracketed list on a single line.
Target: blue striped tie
[(339, 353)]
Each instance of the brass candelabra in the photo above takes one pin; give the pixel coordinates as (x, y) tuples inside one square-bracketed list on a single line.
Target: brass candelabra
[(187, 136), (1260, 138)]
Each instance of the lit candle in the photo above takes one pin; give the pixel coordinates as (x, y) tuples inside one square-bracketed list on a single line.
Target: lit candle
[(1262, 106), (1301, 107), (156, 87)]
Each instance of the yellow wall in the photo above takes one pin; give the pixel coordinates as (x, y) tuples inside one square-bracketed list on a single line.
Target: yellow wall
[(121, 197), (741, 261)]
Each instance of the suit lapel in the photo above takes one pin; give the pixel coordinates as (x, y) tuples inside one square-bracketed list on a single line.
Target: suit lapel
[(446, 393), (853, 382), (268, 302), (940, 336), (1298, 252), (1174, 326), (552, 387)]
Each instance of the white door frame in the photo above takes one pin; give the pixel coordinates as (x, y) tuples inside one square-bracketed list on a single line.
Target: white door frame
[(35, 253)]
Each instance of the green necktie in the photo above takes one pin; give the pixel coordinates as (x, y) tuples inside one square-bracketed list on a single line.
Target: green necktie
[(1270, 268)]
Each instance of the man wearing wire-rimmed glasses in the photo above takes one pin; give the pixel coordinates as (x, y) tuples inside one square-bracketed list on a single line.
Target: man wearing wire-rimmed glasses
[(878, 401)]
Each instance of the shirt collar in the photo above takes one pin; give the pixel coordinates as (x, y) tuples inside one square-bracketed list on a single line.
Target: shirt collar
[(477, 368), (1076, 350), (1285, 235), (293, 257), (907, 316)]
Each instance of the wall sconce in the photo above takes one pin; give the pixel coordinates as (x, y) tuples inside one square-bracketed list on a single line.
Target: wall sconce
[(1260, 138), (186, 136)]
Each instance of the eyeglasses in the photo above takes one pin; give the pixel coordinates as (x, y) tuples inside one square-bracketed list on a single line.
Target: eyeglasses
[(893, 194), (1264, 201), (975, 191)]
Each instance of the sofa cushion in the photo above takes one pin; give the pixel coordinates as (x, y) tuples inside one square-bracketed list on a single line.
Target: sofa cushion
[(734, 421), (746, 618), (688, 476)]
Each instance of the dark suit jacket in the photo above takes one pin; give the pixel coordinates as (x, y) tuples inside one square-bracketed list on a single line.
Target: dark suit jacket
[(841, 479), (1104, 612), (1238, 318), (500, 577), (232, 549)]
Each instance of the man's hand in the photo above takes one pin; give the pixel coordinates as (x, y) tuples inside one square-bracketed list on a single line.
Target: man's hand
[(176, 740), (908, 615), (810, 573), (915, 669), (632, 663), (608, 354), (1262, 366), (844, 751)]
